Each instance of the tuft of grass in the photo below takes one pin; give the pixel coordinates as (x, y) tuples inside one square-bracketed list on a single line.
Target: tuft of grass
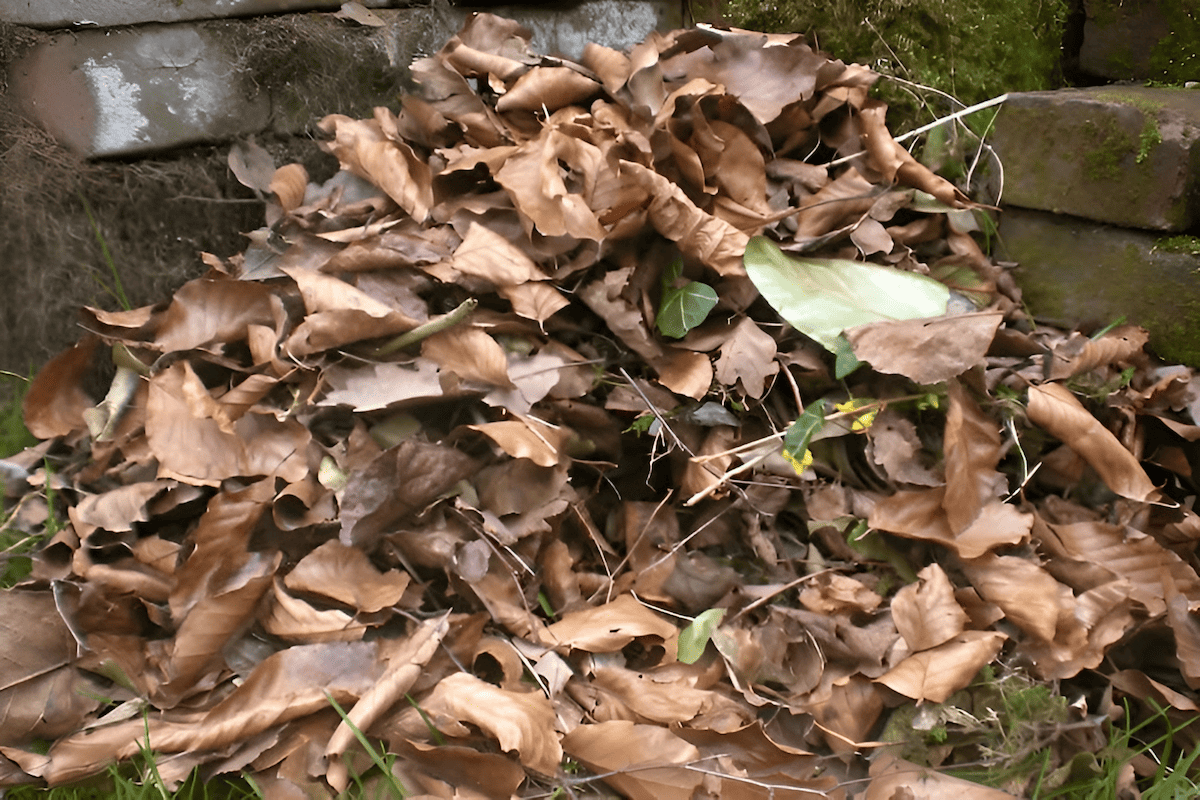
[(14, 436), (116, 289)]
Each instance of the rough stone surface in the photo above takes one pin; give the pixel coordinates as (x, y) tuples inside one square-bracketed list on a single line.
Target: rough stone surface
[(120, 93), (1126, 155), (104, 13), (1078, 272), (1127, 40)]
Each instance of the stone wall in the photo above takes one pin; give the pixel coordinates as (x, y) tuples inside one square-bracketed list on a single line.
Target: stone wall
[(1102, 206)]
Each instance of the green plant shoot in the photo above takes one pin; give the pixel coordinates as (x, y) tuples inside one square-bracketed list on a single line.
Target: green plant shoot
[(694, 638)]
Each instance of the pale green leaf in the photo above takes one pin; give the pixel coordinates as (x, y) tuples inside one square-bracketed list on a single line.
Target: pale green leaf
[(694, 638), (821, 297)]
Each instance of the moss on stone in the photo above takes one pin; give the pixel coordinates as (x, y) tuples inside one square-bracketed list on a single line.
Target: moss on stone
[(1174, 58), (1103, 161), (1179, 244)]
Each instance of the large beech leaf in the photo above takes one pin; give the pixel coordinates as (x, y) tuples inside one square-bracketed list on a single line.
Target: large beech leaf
[(821, 297)]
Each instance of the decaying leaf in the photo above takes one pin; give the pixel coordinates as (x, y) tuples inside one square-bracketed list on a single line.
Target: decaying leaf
[(1052, 406)]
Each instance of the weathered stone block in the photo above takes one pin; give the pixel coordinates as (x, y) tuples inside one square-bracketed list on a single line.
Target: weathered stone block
[(105, 13), (1127, 40), (125, 92), (1127, 155), (1079, 272)]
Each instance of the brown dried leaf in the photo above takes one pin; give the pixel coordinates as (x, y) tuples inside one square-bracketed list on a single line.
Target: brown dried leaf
[(548, 88), (895, 163), (55, 402), (535, 301), (701, 236), (399, 482), (894, 778), (251, 164), (487, 254), (684, 372), (1129, 553), (41, 693), (616, 747), (835, 594), (921, 515), (370, 387), (764, 79), (289, 184), (940, 672), (470, 354), (926, 350), (1027, 593), (191, 446), (296, 621), (896, 447), (345, 574), (537, 184), (656, 696), (195, 656), (207, 312), (362, 148), (1053, 407), (608, 628), (528, 438), (926, 613), (117, 509), (1080, 354), (747, 356), (523, 721), (973, 449)]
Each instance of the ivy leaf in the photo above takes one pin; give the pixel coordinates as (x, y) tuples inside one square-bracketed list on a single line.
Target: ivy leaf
[(694, 638), (821, 297), (799, 435), (683, 307)]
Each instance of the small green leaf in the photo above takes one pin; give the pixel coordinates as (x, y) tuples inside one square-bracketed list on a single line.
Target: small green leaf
[(694, 638), (685, 307), (800, 433)]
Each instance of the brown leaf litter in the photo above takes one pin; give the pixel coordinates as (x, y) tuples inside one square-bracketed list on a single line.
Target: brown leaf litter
[(421, 450)]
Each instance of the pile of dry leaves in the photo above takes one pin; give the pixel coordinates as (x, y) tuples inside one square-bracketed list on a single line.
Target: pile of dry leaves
[(424, 451)]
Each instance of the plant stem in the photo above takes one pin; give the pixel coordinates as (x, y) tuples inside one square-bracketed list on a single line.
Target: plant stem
[(435, 325)]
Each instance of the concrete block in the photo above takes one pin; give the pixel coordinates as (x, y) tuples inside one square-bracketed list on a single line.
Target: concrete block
[(116, 93), (106, 13), (1127, 40), (1126, 155), (1075, 271)]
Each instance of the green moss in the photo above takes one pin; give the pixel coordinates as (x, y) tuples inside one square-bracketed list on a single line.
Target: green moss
[(1103, 161), (1179, 244), (1175, 58), (972, 49), (1150, 136)]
